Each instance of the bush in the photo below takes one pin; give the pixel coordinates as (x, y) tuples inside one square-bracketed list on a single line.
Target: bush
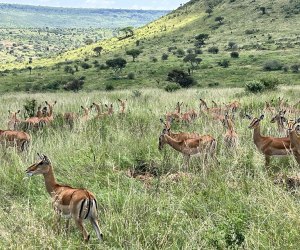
[(270, 83), (171, 87), (131, 76), (154, 59), (224, 63), (75, 85), (234, 54), (109, 87), (102, 67), (170, 49), (136, 93), (69, 69), (232, 45), (30, 108), (198, 51), (262, 85), (285, 68), (164, 57), (182, 78), (85, 65), (180, 53), (254, 87), (213, 50), (272, 65), (295, 68)]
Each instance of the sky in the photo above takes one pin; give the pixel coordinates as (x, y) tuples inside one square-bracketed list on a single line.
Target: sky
[(115, 4)]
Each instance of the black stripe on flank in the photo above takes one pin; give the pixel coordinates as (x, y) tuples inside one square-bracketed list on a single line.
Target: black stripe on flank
[(89, 208), (81, 208), (96, 204)]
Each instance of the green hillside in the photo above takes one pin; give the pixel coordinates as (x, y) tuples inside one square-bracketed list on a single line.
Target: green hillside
[(27, 16), (259, 31)]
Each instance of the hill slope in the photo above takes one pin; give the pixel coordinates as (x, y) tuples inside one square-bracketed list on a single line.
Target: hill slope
[(258, 37), (24, 16)]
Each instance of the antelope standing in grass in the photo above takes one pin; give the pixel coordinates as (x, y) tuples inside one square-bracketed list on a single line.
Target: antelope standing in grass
[(280, 120), (13, 138), (13, 120), (267, 145), (230, 137), (85, 117), (177, 114), (293, 127), (122, 105), (110, 109), (205, 145), (49, 117), (80, 204)]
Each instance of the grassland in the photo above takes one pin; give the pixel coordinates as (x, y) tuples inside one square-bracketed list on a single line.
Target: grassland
[(233, 204), (259, 38)]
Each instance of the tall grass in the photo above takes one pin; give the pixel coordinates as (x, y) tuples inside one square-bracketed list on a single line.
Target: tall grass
[(234, 204)]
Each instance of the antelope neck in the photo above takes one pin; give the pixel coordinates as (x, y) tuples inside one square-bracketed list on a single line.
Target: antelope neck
[(50, 181)]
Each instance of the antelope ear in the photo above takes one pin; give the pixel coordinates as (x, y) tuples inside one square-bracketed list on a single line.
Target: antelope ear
[(162, 121), (106, 105), (82, 107), (40, 156), (261, 117), (19, 111), (54, 103), (46, 159), (284, 112), (119, 100), (9, 111), (46, 102)]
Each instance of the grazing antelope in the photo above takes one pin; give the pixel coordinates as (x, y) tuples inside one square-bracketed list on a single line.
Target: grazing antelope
[(269, 146), (205, 145), (280, 120), (80, 204), (230, 137), (13, 120), (110, 109), (233, 106), (12, 138), (123, 106)]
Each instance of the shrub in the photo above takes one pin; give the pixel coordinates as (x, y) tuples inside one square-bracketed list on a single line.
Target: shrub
[(136, 93), (69, 69), (224, 63), (30, 108), (285, 68), (272, 65), (180, 53), (154, 59), (254, 87), (295, 68), (109, 87), (170, 49), (198, 51), (85, 65), (213, 50), (171, 87), (182, 78), (270, 83), (75, 85), (232, 45), (213, 84), (234, 54), (102, 67), (164, 57), (131, 76)]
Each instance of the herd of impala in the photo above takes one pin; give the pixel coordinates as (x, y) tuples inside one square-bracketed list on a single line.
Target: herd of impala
[(81, 204)]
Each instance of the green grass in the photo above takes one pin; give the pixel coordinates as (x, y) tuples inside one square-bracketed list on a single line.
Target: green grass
[(233, 201)]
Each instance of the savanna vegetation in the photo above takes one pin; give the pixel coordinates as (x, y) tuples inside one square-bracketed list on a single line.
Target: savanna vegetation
[(145, 196)]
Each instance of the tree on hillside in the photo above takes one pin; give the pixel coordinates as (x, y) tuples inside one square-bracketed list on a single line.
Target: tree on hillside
[(134, 53), (182, 78), (200, 40), (117, 64), (193, 60), (263, 10), (98, 50)]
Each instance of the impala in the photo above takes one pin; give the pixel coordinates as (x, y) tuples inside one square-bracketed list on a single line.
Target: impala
[(39, 112), (78, 203), (269, 146), (11, 138), (280, 120), (123, 105), (13, 120), (85, 117), (294, 137), (205, 145), (230, 137), (175, 115)]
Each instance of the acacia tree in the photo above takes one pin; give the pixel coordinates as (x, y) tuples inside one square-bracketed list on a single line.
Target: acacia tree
[(128, 31), (116, 64), (134, 53), (200, 40), (98, 50)]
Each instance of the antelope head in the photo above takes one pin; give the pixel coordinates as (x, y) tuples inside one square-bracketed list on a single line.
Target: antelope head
[(42, 166), (255, 122), (161, 139), (13, 115)]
